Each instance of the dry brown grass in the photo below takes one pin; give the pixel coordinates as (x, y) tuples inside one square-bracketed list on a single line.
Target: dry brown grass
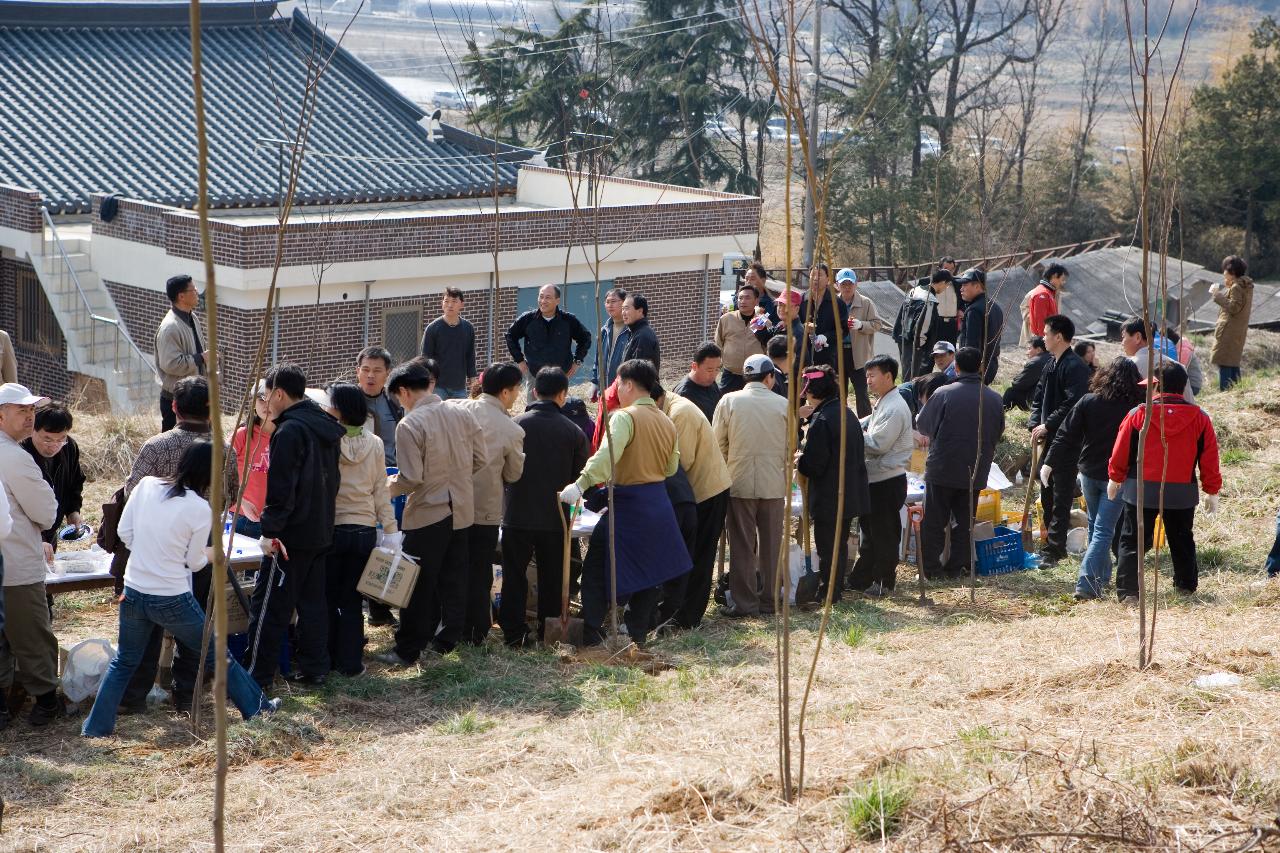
[(1018, 723)]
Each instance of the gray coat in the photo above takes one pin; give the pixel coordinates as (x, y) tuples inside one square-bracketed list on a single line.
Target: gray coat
[(176, 352), (950, 421)]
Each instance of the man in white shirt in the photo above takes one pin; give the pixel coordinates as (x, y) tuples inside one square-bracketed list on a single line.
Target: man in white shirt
[(888, 444), (28, 640)]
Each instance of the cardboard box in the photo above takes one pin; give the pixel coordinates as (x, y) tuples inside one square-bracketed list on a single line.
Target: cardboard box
[(389, 576)]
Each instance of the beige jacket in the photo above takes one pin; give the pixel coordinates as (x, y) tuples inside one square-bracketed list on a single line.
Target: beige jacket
[(864, 339), (703, 465), (176, 351), (751, 429), (363, 496), (32, 507), (503, 454), (8, 360), (438, 450), (736, 341), (1232, 327)]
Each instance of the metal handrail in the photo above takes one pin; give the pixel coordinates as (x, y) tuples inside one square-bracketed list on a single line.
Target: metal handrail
[(88, 309)]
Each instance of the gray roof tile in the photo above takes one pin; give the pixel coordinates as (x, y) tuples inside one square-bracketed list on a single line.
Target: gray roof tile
[(96, 97)]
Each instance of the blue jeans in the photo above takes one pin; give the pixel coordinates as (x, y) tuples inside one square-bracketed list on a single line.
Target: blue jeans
[(1227, 376), (1273, 559), (181, 616), (1104, 513), (452, 393), (245, 527)]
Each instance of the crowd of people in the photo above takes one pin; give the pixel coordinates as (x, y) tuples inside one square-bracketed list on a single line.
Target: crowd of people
[(430, 460)]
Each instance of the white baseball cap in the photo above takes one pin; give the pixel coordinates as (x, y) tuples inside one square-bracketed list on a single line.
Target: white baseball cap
[(19, 395), (846, 274), (757, 365)]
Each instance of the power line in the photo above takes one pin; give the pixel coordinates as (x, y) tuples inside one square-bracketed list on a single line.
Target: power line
[(535, 49), (586, 36)]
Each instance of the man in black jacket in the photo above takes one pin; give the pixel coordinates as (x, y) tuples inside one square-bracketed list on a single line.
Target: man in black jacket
[(58, 457), (819, 462), (1064, 381), (826, 329), (949, 420), (297, 530), (643, 342), (545, 337), (1024, 384), (983, 322), (530, 528)]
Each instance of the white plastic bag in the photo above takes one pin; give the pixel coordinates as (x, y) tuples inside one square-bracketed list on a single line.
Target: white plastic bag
[(87, 663)]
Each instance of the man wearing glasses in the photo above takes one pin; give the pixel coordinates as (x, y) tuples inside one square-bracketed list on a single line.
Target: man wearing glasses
[(178, 349), (57, 455)]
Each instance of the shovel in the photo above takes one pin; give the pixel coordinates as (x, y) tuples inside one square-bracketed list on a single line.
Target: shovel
[(1028, 542), (563, 629)]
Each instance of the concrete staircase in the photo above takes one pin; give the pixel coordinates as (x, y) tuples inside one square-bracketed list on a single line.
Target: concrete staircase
[(97, 343)]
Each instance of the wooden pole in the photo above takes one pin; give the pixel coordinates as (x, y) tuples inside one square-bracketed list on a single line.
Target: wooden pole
[(219, 579)]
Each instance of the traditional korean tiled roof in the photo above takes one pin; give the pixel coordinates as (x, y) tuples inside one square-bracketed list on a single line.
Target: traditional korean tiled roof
[(96, 97)]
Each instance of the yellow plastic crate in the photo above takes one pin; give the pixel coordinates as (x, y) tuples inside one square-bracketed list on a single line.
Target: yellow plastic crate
[(988, 506)]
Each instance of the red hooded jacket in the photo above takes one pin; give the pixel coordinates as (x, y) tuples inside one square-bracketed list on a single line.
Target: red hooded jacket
[(1191, 442), (1041, 305)]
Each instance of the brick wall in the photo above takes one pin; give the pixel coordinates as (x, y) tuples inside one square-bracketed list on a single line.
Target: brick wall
[(676, 302), (325, 339), (43, 372), (20, 209), (306, 243)]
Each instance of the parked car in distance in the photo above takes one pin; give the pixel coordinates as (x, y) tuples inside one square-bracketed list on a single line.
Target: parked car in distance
[(835, 135), (448, 99), (720, 129), (930, 147), (776, 129)]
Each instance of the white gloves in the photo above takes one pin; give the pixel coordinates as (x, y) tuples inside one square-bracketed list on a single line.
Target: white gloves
[(819, 343), (570, 494), (391, 541), (1211, 504), (1215, 287), (270, 546), (855, 323), (1045, 473), (1113, 489)]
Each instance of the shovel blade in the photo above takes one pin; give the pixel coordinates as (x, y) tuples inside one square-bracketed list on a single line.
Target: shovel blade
[(553, 631)]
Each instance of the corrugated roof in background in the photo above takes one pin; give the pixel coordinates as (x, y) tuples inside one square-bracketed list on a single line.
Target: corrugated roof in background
[(96, 97)]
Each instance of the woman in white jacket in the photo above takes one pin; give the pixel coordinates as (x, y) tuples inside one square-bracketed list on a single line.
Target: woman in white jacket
[(363, 503), (166, 525)]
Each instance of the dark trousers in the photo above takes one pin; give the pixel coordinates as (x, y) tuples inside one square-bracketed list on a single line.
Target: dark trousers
[(825, 530), (436, 611), (881, 535), (731, 381), (1056, 502), (1227, 377), (167, 422), (482, 546), (857, 377), (185, 659), (674, 590), (941, 505), (993, 366), (546, 547), (352, 544), (1182, 547), (597, 595), (706, 541), (284, 586)]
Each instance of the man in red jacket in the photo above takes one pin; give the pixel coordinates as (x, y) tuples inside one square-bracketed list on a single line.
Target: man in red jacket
[(1042, 301), (1185, 431)]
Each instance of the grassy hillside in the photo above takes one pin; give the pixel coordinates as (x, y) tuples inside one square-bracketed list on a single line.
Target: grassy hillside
[(1016, 722)]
